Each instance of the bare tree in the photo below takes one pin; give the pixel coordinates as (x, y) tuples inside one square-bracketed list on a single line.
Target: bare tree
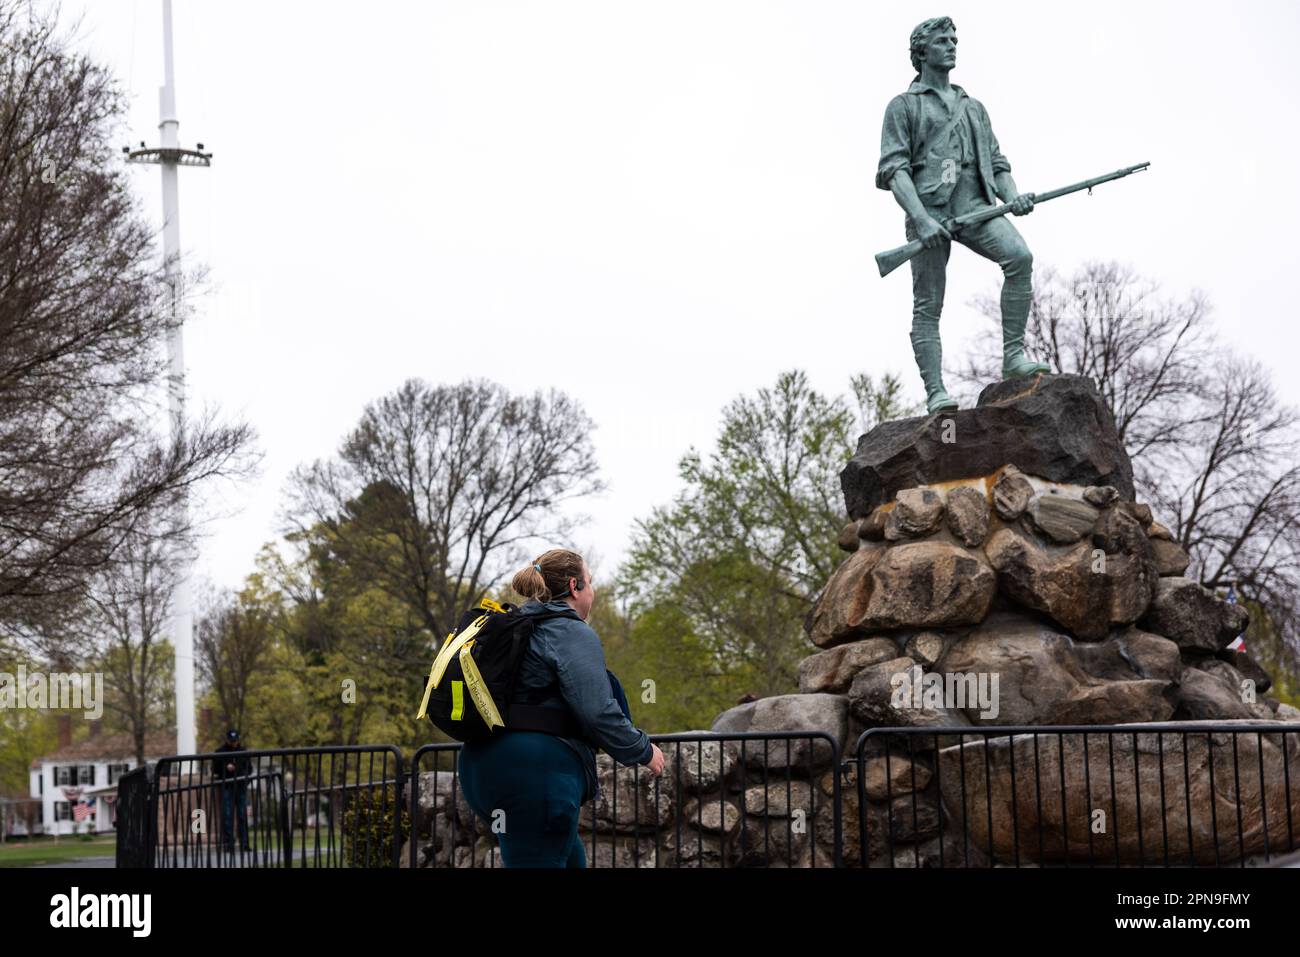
[(233, 640), (121, 627), (1214, 451), (1232, 490), (1145, 352), (82, 368), (434, 494)]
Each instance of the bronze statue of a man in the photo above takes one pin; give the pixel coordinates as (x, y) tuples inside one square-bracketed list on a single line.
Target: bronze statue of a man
[(940, 159)]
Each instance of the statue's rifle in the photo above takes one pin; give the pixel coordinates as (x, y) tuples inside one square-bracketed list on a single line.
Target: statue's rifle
[(891, 259)]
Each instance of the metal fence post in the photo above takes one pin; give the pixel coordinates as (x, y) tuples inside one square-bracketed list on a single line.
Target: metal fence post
[(137, 814)]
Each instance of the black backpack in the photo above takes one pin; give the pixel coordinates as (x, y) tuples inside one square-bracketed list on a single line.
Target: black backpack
[(470, 694)]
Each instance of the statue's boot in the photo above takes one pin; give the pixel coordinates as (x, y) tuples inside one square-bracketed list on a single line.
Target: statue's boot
[(929, 359), (1014, 361)]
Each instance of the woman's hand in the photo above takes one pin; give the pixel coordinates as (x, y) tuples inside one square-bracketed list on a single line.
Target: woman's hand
[(656, 763)]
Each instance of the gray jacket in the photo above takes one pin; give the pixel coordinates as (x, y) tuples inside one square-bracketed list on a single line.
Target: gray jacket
[(569, 650)]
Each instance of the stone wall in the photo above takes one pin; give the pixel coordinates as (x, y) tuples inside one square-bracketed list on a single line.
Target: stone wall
[(718, 803)]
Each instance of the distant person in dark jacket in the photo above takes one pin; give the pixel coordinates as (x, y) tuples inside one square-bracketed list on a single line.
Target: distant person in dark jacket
[(233, 773), (539, 780)]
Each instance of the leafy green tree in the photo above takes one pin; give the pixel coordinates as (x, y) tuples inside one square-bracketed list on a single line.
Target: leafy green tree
[(337, 658), (743, 550), (1275, 656), (660, 659), (24, 735)]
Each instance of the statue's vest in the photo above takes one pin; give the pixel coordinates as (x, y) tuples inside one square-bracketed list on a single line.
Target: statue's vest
[(932, 186)]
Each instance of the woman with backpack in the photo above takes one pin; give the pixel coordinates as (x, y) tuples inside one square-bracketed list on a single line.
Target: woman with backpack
[(529, 786)]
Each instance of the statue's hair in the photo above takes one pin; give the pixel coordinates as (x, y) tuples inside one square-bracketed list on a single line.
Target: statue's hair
[(921, 36)]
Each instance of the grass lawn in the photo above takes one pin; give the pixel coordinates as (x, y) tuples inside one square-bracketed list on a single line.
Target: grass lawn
[(42, 850)]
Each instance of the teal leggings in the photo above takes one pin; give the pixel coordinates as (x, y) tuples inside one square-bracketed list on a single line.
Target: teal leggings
[(528, 787)]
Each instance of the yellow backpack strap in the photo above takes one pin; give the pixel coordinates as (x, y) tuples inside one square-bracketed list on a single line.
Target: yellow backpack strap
[(478, 690), (453, 647), (450, 645), (431, 683)]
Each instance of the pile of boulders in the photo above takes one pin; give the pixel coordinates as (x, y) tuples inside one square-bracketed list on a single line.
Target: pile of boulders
[(1073, 596), (1000, 572)]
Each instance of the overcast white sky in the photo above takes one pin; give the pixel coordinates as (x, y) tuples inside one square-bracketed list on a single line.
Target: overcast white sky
[(660, 206)]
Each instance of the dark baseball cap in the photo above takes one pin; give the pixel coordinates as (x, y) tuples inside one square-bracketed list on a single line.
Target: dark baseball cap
[(232, 734)]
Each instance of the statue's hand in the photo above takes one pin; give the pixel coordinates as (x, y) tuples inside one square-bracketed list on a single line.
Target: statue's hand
[(1022, 204), (931, 232)]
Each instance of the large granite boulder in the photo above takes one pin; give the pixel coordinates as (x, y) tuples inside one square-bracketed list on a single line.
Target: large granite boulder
[(926, 584), (833, 670), (882, 696), (819, 713), (1211, 695), (1054, 426), (1041, 679), (968, 515), (916, 514), (1125, 798), (1193, 616), (1081, 586)]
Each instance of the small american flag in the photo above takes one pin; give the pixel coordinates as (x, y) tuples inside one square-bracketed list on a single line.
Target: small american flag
[(73, 797)]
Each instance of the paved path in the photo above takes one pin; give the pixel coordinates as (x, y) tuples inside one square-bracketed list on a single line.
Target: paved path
[(207, 861), (84, 862)]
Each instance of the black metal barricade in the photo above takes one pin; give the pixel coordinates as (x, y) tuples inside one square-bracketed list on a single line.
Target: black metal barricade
[(724, 800), (1178, 794), (134, 794), (287, 807)]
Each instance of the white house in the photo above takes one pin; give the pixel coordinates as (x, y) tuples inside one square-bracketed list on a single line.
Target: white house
[(86, 773)]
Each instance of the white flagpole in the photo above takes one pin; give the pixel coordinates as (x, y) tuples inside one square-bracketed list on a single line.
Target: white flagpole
[(170, 156)]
